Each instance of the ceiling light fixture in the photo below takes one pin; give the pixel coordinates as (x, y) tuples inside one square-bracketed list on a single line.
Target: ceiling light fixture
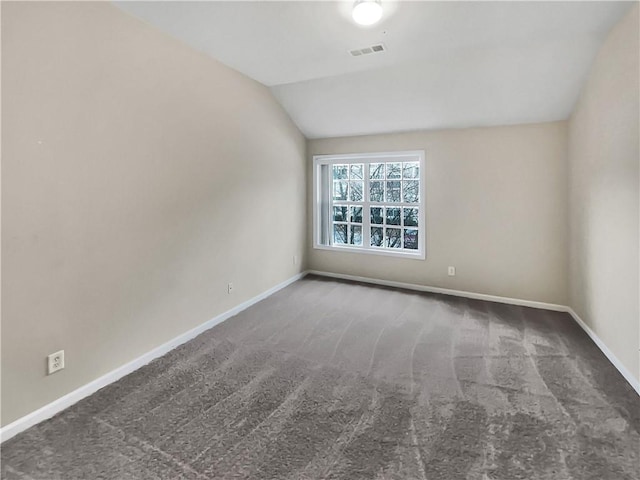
[(367, 12)]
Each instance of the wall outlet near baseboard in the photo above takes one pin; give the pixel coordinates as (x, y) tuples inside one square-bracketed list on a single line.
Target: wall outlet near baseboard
[(230, 288), (55, 362), (451, 271), (295, 259)]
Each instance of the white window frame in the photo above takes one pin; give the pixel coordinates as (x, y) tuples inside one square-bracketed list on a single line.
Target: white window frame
[(367, 158)]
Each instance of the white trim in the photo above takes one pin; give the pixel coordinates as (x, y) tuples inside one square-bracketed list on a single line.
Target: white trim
[(367, 158), (69, 399), (381, 156), (387, 252), (445, 291), (608, 353)]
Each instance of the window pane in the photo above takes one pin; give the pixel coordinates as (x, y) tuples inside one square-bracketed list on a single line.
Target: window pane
[(339, 214), (411, 238), (393, 191), (376, 236), (410, 217), (376, 170), (339, 234), (356, 215), (340, 172), (376, 191), (394, 170), (411, 170), (356, 191), (393, 216), (410, 190), (392, 238), (340, 190), (376, 215), (388, 213), (355, 235)]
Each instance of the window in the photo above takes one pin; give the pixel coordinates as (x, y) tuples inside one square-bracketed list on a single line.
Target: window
[(370, 203)]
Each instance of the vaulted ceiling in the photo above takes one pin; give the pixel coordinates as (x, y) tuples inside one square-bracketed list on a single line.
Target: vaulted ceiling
[(446, 64)]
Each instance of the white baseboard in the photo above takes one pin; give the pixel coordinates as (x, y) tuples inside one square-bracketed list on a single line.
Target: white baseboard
[(69, 399), (608, 353), (492, 298), (445, 291)]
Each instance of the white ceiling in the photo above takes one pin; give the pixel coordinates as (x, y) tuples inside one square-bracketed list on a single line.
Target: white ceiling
[(446, 65)]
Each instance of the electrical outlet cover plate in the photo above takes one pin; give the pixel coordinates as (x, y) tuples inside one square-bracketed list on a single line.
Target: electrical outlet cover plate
[(55, 362), (452, 271)]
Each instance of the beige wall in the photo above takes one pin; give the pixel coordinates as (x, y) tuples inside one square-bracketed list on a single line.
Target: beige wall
[(496, 210), (137, 174), (604, 158)]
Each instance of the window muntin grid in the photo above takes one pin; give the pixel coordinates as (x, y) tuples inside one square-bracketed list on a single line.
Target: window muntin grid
[(376, 203)]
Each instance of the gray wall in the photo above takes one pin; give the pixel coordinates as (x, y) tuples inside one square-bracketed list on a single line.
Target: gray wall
[(496, 210), (137, 175), (604, 156)]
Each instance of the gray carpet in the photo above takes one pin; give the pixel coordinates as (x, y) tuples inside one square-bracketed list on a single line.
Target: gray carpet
[(336, 380)]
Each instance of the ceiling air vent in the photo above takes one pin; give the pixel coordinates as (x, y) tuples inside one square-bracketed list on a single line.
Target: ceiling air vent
[(367, 50)]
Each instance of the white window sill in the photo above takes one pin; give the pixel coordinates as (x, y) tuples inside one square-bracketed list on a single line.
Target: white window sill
[(371, 251)]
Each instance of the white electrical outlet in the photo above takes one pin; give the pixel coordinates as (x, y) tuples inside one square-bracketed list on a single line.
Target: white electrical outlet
[(55, 362), (295, 259), (230, 288), (452, 271)]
